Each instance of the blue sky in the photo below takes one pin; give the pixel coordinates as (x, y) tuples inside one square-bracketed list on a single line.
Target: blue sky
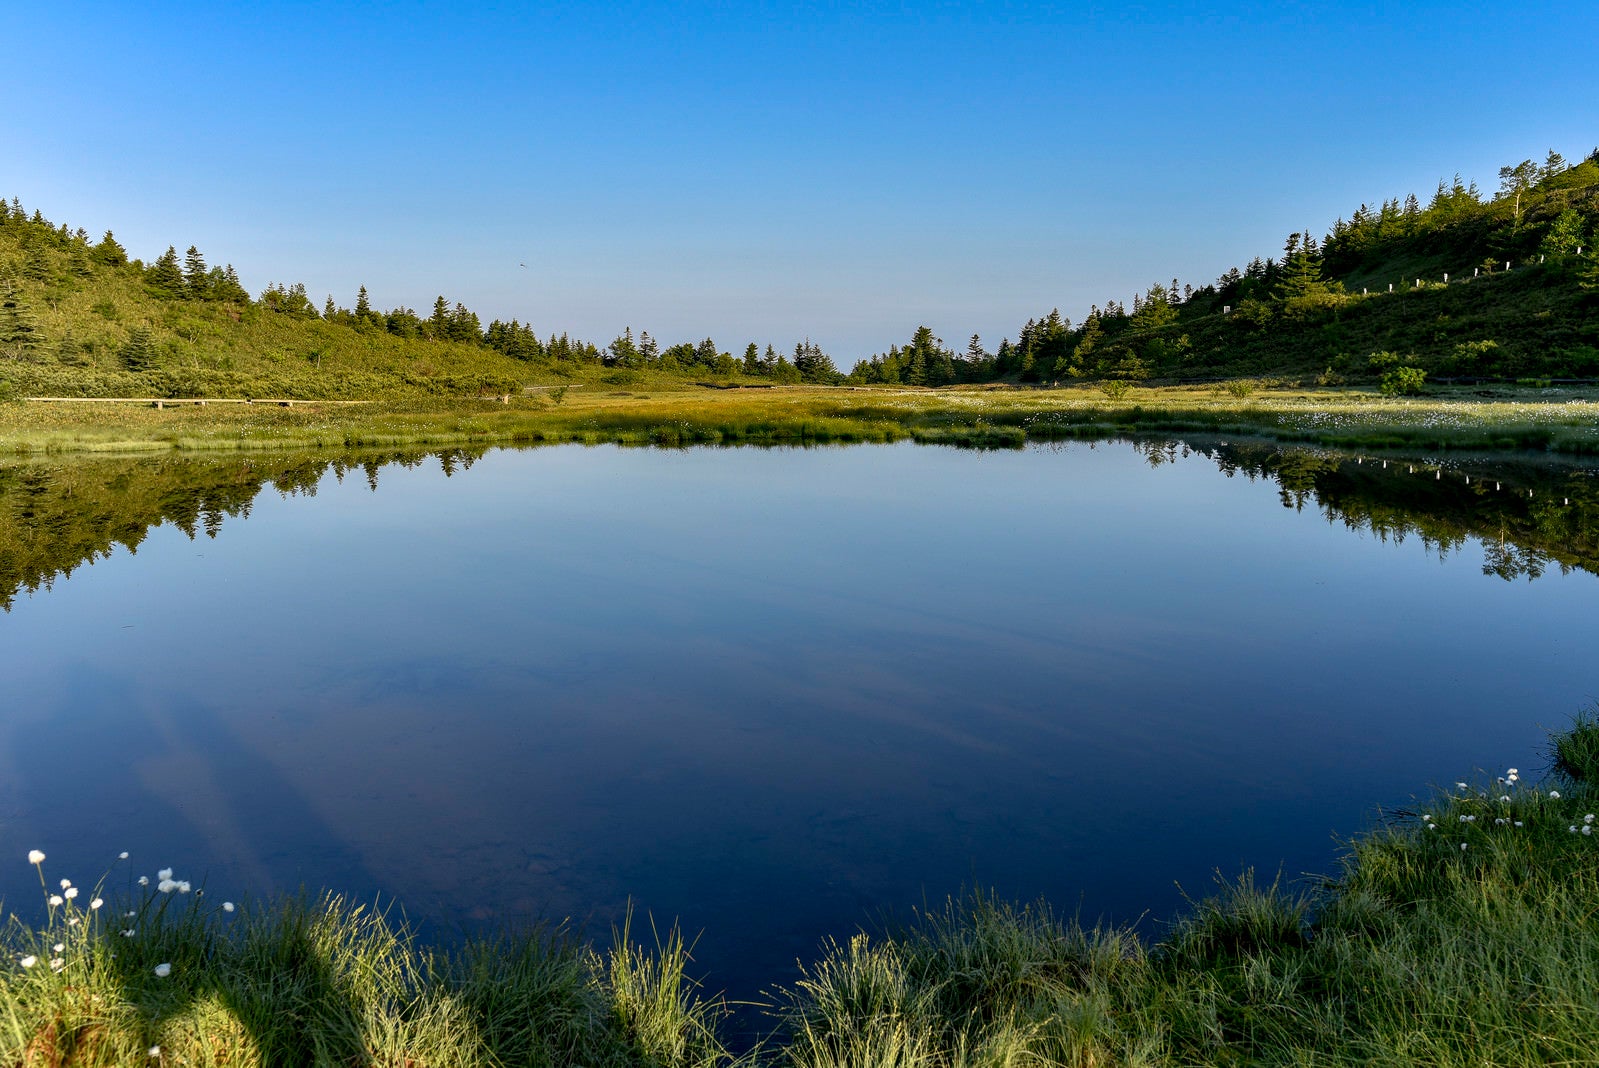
[(768, 171)]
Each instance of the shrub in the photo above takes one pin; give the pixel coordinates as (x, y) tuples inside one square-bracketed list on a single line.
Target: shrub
[(1402, 380)]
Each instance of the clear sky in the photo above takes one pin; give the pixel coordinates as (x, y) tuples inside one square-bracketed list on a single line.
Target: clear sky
[(768, 171)]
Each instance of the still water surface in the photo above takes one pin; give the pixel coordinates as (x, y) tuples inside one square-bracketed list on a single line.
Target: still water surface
[(772, 693)]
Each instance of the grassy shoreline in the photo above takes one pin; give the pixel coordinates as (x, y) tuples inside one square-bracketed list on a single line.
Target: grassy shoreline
[(1557, 420), (1464, 933)]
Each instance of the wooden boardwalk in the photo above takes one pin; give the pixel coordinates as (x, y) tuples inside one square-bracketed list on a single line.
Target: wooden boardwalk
[(165, 402)]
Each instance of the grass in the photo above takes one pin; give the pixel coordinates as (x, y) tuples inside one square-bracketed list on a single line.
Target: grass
[(1464, 933), (1556, 420)]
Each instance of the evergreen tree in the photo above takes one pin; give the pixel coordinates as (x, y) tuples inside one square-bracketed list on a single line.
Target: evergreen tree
[(705, 353), (139, 353), (813, 364), (649, 350), (196, 277), (439, 321), (1085, 355), (19, 331), (624, 352), (69, 351), (363, 306), (165, 277), (229, 288), (752, 359)]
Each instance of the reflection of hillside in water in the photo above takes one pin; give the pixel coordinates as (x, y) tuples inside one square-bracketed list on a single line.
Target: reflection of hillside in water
[(1527, 514), (56, 517)]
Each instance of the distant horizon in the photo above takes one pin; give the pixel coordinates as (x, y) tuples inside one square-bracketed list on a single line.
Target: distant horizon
[(842, 172)]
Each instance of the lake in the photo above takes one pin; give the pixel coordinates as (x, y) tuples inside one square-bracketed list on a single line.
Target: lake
[(777, 695)]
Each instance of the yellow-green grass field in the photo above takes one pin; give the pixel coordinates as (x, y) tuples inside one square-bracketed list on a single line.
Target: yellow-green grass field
[(1554, 419)]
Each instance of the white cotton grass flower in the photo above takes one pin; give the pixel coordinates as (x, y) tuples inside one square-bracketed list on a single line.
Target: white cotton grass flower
[(1588, 818), (35, 856), (1572, 829), (144, 880), (1460, 786), (122, 855), (1519, 823), (55, 900), (56, 964), (1555, 794), (71, 892), (1462, 847), (73, 922), (227, 906), (155, 1051), (65, 883), (163, 970), (1505, 798), (164, 873), (183, 886), (28, 961), (128, 933), (130, 912), (96, 903)]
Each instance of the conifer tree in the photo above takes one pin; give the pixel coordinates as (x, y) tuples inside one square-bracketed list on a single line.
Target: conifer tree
[(139, 353), (196, 276), (19, 331), (165, 277)]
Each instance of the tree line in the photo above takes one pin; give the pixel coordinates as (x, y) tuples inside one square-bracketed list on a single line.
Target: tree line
[(1541, 213)]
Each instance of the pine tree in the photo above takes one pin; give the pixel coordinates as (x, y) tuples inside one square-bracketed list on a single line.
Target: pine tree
[(752, 359), (363, 306)]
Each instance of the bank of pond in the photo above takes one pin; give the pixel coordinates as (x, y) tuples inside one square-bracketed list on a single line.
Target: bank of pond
[(1461, 932)]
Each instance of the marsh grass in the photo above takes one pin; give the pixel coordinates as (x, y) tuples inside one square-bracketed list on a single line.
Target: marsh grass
[(328, 982), (1552, 420), (1463, 933)]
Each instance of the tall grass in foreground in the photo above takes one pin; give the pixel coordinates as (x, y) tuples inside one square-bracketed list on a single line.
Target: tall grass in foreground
[(1462, 934)]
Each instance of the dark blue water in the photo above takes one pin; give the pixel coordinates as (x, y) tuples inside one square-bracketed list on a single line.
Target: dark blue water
[(774, 694)]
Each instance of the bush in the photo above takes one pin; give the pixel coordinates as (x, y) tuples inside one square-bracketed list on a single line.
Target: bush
[(1403, 380)]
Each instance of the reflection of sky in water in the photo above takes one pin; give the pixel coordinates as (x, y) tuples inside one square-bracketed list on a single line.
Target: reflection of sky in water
[(774, 693)]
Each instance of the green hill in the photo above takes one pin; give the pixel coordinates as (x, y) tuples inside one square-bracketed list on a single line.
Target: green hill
[(1465, 288)]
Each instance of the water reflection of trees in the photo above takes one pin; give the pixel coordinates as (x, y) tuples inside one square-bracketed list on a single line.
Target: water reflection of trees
[(55, 517), (1526, 514)]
